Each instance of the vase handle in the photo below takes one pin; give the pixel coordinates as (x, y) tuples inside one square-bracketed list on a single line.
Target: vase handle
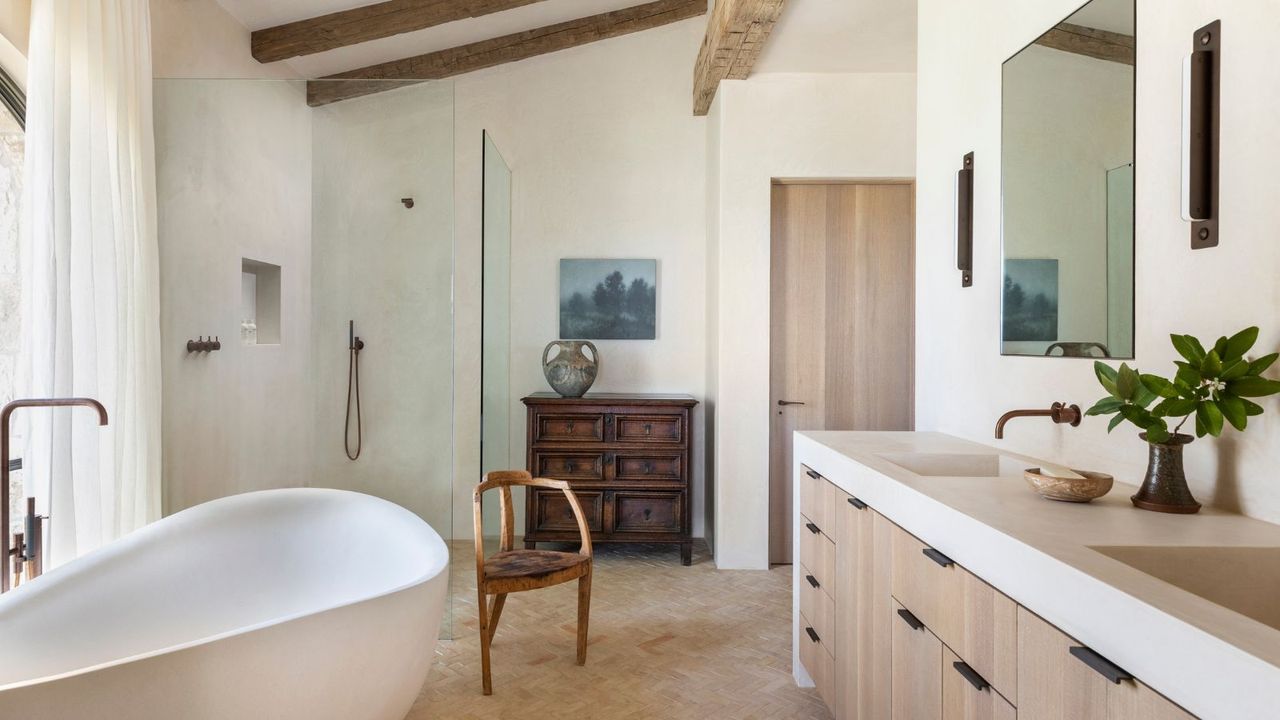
[(546, 350), (595, 355)]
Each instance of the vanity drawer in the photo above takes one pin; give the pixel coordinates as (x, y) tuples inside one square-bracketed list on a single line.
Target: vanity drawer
[(962, 699), (640, 466), (974, 619), (568, 427), (819, 609), (649, 428), (558, 465), (817, 498), (819, 663), (818, 554)]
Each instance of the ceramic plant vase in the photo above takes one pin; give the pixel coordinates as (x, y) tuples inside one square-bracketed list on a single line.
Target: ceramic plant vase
[(571, 373), (1165, 487)]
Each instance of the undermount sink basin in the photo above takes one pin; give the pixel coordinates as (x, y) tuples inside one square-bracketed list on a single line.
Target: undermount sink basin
[(1242, 579), (957, 464)]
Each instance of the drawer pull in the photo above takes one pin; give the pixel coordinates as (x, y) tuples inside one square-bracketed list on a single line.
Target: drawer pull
[(812, 580), (938, 557), (911, 620), (1101, 665), (812, 473), (857, 503), (608, 419), (812, 635), (813, 528), (971, 675)]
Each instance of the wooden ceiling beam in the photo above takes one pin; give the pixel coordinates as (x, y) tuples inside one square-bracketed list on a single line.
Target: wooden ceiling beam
[(509, 48), (1091, 42), (362, 24), (736, 33)]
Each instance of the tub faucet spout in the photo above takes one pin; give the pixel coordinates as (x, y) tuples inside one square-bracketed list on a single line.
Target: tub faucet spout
[(4, 470)]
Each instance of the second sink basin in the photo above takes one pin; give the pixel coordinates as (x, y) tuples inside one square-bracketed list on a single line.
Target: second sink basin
[(957, 464), (1245, 580)]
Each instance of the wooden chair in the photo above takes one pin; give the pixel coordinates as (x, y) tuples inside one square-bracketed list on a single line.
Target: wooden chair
[(510, 570)]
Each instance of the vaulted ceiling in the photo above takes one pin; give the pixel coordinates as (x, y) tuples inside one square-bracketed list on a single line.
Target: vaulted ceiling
[(439, 38)]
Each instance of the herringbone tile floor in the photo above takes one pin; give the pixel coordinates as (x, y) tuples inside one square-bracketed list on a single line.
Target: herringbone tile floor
[(667, 641)]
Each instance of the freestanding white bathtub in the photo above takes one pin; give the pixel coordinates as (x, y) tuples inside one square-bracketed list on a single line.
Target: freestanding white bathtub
[(299, 604)]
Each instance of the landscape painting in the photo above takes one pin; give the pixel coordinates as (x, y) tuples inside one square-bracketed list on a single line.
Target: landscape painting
[(608, 299), (1030, 300)]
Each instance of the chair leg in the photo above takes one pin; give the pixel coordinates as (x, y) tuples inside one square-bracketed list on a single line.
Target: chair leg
[(584, 613), (495, 612), (482, 609)]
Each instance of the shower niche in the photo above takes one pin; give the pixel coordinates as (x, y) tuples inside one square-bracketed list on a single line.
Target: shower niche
[(259, 302)]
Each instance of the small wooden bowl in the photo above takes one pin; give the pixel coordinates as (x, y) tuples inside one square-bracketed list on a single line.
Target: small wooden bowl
[(1093, 485)]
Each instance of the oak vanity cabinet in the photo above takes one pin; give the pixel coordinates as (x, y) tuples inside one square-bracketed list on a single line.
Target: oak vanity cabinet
[(1059, 679)]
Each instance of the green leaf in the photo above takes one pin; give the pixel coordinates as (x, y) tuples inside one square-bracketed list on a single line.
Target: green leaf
[(1137, 415), (1189, 374), (1212, 365), (1105, 406), (1128, 383), (1252, 409), (1189, 348), (1175, 407), (1159, 385), (1239, 368), (1259, 366), (1233, 410), (1208, 414), (1220, 346), (1107, 377), (1158, 434), (1253, 386), (1114, 422), (1240, 343)]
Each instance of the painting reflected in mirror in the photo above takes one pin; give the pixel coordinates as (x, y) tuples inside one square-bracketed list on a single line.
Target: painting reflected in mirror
[(1067, 182)]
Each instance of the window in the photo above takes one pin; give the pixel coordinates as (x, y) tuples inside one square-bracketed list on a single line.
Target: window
[(12, 143)]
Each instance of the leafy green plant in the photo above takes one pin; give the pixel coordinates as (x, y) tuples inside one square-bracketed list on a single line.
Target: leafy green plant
[(1213, 385)]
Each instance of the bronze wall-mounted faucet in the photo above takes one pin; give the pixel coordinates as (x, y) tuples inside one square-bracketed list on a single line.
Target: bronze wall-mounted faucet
[(1058, 412), (28, 540)]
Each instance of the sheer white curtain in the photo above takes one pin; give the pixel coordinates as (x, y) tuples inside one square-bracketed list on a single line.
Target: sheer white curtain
[(90, 264)]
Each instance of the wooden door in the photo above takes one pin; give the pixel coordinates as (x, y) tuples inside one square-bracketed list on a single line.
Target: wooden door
[(864, 612), (841, 322), (917, 671), (1053, 685)]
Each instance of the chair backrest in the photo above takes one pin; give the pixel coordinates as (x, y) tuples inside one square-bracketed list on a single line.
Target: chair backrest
[(503, 480)]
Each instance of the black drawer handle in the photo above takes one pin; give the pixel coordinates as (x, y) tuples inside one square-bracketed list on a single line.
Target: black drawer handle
[(608, 419), (812, 580), (938, 557), (812, 635), (971, 675), (1101, 665), (911, 620), (812, 474), (813, 528), (857, 503)]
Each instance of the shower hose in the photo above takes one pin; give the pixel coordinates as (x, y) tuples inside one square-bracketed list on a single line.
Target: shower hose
[(353, 388)]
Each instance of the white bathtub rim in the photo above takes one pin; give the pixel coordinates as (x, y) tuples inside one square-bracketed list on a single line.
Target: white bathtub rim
[(246, 629)]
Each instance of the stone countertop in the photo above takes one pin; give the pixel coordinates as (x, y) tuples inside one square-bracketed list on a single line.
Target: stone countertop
[(1212, 660)]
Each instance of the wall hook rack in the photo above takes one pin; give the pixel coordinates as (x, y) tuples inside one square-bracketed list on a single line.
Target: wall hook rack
[(211, 345)]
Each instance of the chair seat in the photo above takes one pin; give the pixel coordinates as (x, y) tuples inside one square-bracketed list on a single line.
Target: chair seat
[(539, 567)]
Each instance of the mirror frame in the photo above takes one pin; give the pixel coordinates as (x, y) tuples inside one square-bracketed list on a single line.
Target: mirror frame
[(1133, 351)]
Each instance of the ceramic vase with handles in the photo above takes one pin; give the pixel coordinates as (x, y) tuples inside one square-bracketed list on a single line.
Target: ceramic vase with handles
[(571, 373)]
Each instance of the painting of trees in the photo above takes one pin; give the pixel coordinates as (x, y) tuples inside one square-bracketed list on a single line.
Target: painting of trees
[(608, 299)]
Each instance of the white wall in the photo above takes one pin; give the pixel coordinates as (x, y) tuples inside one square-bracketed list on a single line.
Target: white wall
[(15, 23), (777, 126), (962, 383), (199, 39), (607, 160), (388, 268), (233, 177)]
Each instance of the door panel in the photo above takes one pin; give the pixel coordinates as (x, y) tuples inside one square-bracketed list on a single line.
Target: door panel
[(841, 322)]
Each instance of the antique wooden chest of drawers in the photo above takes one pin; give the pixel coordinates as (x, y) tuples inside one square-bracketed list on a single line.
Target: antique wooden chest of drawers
[(629, 459)]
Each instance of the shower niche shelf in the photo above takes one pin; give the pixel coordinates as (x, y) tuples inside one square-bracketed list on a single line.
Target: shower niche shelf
[(259, 302)]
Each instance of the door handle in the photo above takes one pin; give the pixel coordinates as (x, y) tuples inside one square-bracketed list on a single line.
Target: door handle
[(1100, 665), (784, 403)]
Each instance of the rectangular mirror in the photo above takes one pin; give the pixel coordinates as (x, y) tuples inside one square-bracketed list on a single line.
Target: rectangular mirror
[(1067, 184)]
